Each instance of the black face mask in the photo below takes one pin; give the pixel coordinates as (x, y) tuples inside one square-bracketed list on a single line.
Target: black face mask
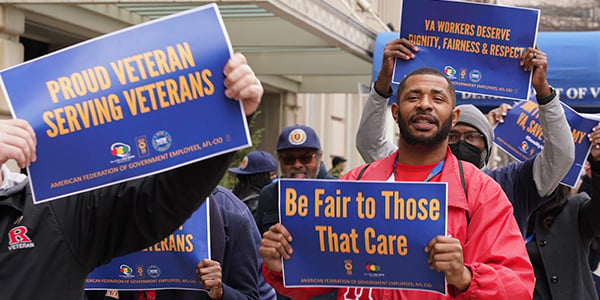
[(467, 152)]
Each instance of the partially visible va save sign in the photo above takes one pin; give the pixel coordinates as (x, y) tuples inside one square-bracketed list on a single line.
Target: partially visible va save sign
[(476, 45), (522, 137), (128, 104)]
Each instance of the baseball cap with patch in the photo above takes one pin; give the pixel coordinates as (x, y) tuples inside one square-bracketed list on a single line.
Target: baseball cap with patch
[(298, 136), (256, 162)]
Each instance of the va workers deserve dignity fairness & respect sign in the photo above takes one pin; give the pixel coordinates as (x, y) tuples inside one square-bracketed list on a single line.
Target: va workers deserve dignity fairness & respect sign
[(476, 45), (128, 104), (362, 233)]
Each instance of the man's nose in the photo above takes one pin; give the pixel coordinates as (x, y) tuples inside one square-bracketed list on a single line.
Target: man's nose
[(426, 102), (297, 164)]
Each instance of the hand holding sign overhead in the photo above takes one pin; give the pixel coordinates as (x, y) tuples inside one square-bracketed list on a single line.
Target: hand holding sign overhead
[(241, 83), (398, 48), (536, 60), (594, 138)]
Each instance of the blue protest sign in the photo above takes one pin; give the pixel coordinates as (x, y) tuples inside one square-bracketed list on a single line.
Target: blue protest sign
[(128, 104), (521, 135), (169, 264), (363, 233), (476, 45), (574, 77)]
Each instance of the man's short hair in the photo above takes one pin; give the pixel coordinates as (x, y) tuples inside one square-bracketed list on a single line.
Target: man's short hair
[(336, 160), (427, 71)]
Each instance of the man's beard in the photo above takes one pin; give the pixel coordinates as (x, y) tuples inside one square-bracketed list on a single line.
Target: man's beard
[(429, 142)]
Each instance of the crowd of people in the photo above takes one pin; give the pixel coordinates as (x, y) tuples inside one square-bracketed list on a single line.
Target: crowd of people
[(512, 232)]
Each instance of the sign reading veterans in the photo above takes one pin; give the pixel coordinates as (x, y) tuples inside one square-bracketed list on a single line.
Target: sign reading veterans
[(477, 46), (169, 264), (521, 135), (128, 104), (362, 234)]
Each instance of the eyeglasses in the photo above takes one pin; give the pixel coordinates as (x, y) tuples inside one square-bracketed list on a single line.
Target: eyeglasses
[(472, 137), (304, 158)]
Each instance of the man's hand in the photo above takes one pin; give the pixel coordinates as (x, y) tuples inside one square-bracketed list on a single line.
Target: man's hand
[(399, 48), (536, 60), (497, 114), (275, 245), (594, 138), (210, 275), (446, 255), (17, 141), (241, 83)]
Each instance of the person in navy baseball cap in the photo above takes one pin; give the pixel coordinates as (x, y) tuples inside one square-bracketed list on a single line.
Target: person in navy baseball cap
[(257, 169), (299, 152), (298, 136), (256, 162)]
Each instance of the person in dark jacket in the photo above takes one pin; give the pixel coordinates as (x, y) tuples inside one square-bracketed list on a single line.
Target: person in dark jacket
[(48, 249), (257, 169), (299, 153), (229, 201), (559, 235)]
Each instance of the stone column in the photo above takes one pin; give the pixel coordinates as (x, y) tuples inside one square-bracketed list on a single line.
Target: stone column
[(12, 24)]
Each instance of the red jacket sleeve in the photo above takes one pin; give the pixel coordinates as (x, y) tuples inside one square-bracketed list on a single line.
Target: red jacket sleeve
[(494, 250)]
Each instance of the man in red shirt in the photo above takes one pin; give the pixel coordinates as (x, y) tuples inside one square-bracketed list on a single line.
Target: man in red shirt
[(483, 256)]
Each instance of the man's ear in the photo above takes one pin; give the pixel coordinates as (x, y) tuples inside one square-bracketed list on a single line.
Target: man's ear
[(395, 110), (455, 114)]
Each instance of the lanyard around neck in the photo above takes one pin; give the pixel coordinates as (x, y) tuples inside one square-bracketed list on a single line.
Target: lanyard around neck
[(436, 170)]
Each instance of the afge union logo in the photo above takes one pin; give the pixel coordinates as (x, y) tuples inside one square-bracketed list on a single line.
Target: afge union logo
[(153, 271), (475, 76), (161, 141), (297, 137)]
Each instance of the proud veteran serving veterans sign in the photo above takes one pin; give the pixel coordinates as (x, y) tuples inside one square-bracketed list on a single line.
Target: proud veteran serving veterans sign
[(128, 104)]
